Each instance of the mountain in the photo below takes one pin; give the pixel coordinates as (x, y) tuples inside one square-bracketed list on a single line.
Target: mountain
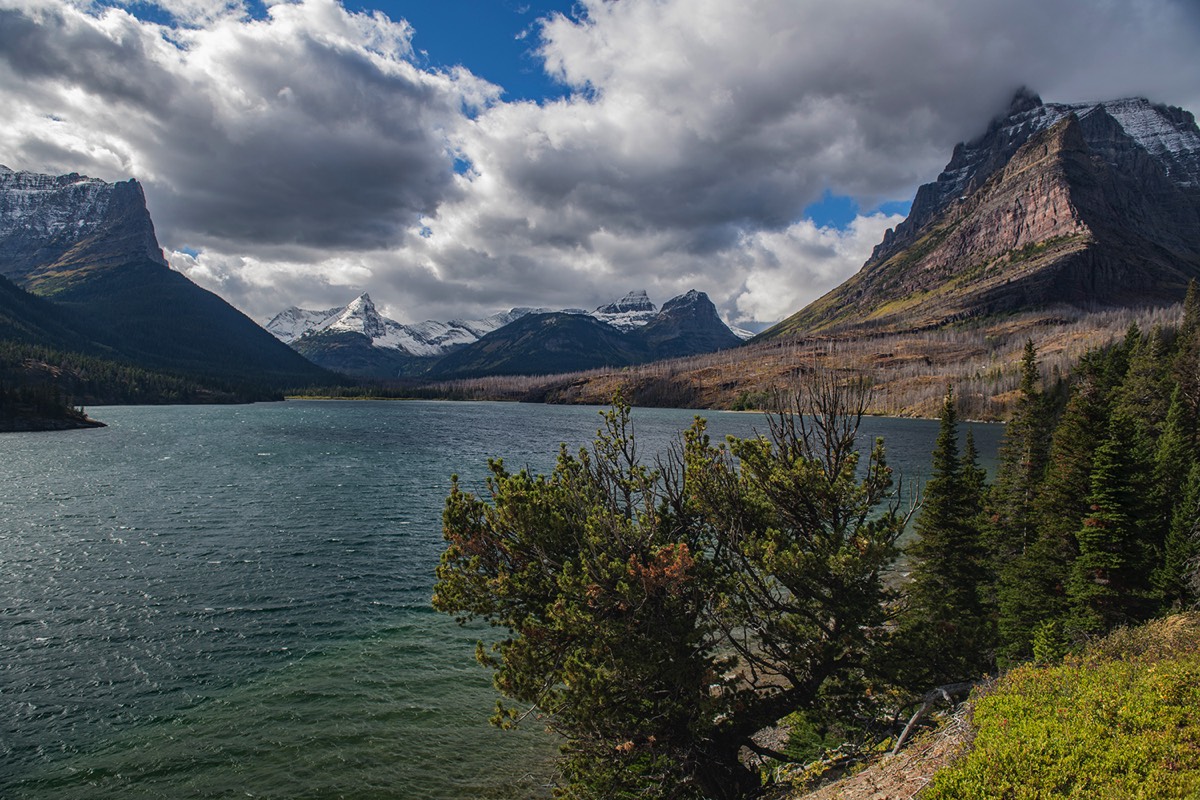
[(32, 320), (357, 340), (1088, 205), (290, 324), (423, 339), (88, 249), (631, 311), (687, 325), (543, 344), (55, 230)]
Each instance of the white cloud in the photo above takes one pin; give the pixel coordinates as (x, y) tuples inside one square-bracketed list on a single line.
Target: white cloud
[(786, 270), (302, 153), (311, 127)]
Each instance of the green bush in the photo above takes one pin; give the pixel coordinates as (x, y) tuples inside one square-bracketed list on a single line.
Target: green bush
[(1120, 721)]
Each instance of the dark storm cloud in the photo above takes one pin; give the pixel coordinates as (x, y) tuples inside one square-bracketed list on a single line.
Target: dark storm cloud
[(50, 48), (300, 153), (706, 115), (252, 134)]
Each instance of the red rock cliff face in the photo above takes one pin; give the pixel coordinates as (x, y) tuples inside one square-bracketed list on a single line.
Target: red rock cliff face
[(1026, 203), (1079, 213)]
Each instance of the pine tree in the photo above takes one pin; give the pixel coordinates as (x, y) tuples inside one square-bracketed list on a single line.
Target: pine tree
[(974, 478), (1022, 465), (1186, 367), (1110, 580), (1033, 588), (1176, 580), (1144, 394), (945, 632), (1011, 524)]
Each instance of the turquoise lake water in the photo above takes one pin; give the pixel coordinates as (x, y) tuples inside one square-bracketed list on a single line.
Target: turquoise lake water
[(233, 601)]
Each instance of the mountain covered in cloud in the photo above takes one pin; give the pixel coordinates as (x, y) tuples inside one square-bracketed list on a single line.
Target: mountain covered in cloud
[(1090, 205), (358, 340)]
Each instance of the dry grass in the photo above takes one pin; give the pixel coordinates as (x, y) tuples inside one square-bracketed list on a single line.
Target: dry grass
[(909, 371), (904, 775)]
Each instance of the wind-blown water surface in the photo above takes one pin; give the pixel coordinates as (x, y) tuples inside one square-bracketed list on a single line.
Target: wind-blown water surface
[(234, 601)]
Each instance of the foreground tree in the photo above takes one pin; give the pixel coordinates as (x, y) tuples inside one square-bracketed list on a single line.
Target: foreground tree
[(800, 546), (1023, 458), (1110, 583), (946, 631), (597, 573), (659, 618), (1032, 593)]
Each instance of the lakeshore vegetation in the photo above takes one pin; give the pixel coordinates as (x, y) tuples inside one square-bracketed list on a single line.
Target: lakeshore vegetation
[(660, 616)]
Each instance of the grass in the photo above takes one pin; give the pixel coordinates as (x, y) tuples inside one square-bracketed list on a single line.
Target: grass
[(1122, 720), (909, 371)]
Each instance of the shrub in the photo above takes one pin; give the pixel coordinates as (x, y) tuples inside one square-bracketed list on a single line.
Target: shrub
[(1120, 721)]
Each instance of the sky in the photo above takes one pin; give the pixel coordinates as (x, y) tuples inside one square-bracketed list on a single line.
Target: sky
[(458, 157)]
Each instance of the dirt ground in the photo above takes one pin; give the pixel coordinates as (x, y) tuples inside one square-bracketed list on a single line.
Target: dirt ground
[(904, 775)]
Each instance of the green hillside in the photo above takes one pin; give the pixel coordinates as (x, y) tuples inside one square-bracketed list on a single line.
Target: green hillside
[(1120, 720)]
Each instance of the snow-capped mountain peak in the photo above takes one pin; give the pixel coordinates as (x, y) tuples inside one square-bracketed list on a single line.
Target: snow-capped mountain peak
[(632, 311), (636, 300), (433, 338), (362, 317), (292, 323)]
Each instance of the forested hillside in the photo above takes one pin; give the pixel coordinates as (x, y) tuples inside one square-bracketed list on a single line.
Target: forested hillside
[(666, 620)]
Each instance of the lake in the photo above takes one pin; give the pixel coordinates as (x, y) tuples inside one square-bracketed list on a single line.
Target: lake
[(217, 601)]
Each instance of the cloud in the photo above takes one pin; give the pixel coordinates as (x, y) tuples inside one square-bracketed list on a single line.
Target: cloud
[(306, 156), (699, 131), (786, 270), (311, 127)]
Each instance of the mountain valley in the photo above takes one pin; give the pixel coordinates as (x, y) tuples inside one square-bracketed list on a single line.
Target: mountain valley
[(1060, 223)]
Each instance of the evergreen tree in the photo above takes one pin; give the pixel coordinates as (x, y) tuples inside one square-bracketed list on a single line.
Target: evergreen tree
[(1144, 394), (974, 478), (1033, 588), (659, 618), (1176, 579), (1110, 580), (1022, 464), (945, 633), (1186, 367)]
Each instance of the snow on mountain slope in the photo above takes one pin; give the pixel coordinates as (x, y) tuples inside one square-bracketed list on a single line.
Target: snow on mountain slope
[(434, 338), (290, 324), (428, 338), (742, 333), (50, 205), (632, 311), (67, 222)]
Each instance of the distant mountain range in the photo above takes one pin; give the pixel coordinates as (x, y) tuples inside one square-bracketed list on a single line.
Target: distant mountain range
[(357, 340), (87, 250), (1093, 205)]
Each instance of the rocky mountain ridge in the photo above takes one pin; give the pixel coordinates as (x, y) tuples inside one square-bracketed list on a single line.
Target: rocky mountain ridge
[(359, 340), (53, 225), (89, 248), (557, 342), (422, 339), (1088, 205), (631, 311)]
